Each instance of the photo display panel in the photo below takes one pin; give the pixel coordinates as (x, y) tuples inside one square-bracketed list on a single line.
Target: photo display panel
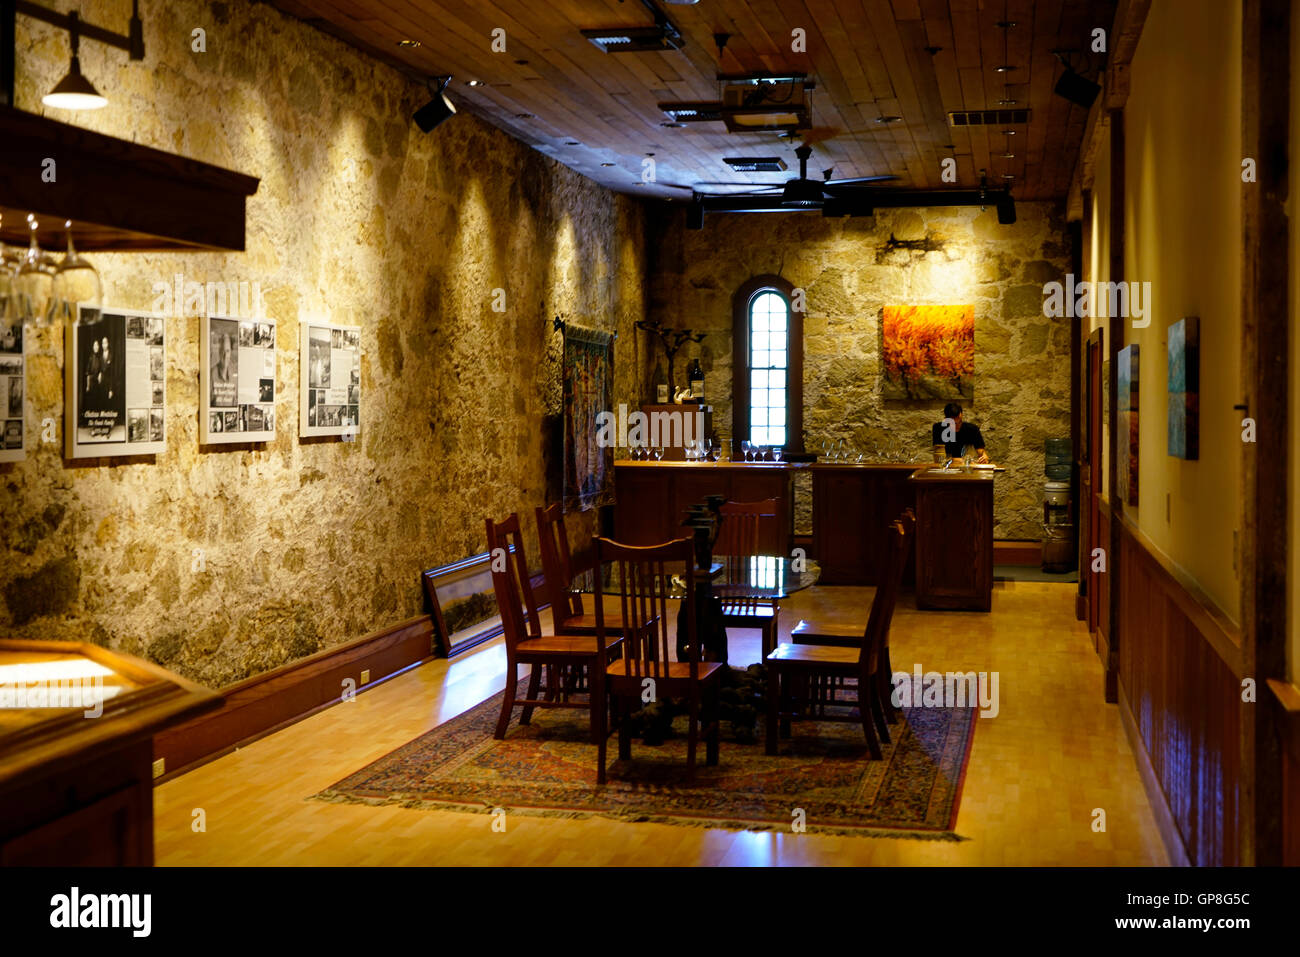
[(330, 377), (237, 380), (13, 389), (115, 384)]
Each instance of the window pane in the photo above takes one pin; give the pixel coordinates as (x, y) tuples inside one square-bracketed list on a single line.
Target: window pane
[(775, 436), (776, 416), (777, 359), (759, 322), (759, 340), (776, 399), (758, 378), (760, 358), (758, 415), (757, 397), (776, 380), (778, 319)]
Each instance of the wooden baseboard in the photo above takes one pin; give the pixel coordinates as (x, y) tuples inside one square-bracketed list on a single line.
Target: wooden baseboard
[(1017, 553), (1173, 841), (274, 699)]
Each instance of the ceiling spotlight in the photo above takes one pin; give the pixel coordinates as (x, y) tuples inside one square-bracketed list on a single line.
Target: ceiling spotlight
[(1008, 132), (74, 91), (889, 119), (409, 44), (1004, 68), (606, 164), (436, 110), (474, 83), (1007, 102), (572, 143)]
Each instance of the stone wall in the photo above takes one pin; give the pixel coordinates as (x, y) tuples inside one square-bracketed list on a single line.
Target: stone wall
[(361, 217), (850, 271)]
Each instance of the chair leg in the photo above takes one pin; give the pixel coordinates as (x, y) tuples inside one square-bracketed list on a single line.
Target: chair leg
[(693, 735), (508, 703), (885, 691), (596, 701), (877, 711), (773, 705), (787, 695), (869, 726), (711, 726), (534, 683)]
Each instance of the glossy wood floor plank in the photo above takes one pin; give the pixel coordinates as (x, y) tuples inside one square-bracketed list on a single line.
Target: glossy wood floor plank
[(1054, 755)]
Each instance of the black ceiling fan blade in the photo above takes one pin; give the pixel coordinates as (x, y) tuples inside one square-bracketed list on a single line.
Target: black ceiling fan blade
[(860, 179)]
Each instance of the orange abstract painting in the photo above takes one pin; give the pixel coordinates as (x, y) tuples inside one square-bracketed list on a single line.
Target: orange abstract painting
[(928, 352)]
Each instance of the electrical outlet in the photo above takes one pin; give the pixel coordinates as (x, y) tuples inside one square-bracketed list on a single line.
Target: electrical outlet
[(160, 767), (365, 677)]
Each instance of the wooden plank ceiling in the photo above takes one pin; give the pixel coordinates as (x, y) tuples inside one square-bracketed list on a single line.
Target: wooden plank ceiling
[(916, 59)]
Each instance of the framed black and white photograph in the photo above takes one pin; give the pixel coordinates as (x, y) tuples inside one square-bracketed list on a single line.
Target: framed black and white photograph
[(236, 380), (115, 384), (13, 390), (330, 379)]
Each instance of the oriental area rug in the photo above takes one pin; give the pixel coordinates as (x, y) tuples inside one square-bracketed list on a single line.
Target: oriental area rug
[(548, 768)]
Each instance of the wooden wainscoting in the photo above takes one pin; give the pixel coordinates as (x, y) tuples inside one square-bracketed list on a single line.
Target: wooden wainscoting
[(267, 702), (1288, 697), (1180, 669)]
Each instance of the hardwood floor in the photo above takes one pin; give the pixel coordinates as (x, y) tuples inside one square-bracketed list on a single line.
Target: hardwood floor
[(1039, 770)]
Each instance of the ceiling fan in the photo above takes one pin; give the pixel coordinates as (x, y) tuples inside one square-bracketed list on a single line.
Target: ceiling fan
[(799, 193)]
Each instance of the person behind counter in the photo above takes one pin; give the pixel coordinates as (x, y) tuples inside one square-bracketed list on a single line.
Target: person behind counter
[(952, 435)]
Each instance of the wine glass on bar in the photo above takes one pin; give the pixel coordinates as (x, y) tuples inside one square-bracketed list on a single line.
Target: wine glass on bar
[(75, 282), (34, 282)]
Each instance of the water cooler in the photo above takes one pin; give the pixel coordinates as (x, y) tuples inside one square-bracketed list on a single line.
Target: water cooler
[(1058, 510)]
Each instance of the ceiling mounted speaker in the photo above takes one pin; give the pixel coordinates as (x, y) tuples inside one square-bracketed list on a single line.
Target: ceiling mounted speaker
[(1077, 89)]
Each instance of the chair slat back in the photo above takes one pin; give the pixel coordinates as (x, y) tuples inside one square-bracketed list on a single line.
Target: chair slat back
[(737, 542), (646, 575), (511, 583), (556, 563), (882, 605)]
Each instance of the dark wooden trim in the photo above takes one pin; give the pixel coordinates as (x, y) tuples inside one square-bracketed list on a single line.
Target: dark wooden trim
[(740, 363), (1007, 552), (1265, 313), (119, 195), (274, 699), (1165, 822), (1115, 341)]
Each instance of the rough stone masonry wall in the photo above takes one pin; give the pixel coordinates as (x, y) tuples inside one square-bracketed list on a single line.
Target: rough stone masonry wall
[(850, 273), (361, 216)]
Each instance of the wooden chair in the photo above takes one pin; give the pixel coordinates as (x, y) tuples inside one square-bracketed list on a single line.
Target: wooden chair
[(525, 644), (645, 574), (737, 544), (813, 663), (567, 611), (848, 636)]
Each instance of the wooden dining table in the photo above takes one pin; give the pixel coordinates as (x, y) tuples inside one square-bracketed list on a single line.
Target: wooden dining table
[(766, 577)]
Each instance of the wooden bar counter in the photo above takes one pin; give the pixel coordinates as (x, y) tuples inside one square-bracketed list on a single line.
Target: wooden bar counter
[(954, 539), (653, 498), (853, 504)]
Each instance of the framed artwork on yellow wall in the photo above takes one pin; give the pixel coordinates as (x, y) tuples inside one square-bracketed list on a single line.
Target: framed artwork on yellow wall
[(1127, 420), (329, 376), (1185, 388), (236, 380), (115, 384)]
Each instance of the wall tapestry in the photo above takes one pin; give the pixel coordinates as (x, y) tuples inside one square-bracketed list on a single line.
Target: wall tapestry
[(236, 380), (115, 385), (12, 391), (1185, 388), (329, 373), (588, 391), (928, 352), (1127, 417)]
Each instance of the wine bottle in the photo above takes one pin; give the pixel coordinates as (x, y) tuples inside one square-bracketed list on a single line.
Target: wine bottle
[(697, 381)]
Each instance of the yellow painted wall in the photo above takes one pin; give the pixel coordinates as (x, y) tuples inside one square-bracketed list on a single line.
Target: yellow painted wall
[(1183, 235)]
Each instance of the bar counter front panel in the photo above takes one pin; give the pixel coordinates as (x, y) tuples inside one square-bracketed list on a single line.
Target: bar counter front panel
[(653, 498)]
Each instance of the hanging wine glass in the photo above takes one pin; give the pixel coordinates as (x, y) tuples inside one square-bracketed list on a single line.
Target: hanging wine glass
[(34, 282), (75, 282)]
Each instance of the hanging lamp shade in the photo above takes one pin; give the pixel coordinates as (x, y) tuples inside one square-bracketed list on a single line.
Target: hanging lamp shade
[(74, 92)]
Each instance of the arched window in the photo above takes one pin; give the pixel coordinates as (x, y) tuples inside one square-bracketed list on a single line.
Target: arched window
[(767, 364)]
